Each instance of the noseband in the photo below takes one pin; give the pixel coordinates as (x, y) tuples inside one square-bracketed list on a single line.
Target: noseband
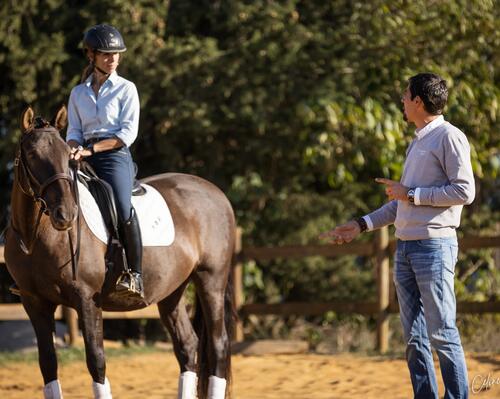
[(25, 180)]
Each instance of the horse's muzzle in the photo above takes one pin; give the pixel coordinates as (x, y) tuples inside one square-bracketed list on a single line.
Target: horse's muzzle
[(62, 217)]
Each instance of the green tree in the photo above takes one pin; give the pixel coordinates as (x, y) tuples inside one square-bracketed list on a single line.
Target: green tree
[(291, 107)]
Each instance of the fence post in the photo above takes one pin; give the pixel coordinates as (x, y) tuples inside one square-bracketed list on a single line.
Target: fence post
[(496, 251), (381, 243), (72, 322), (238, 286)]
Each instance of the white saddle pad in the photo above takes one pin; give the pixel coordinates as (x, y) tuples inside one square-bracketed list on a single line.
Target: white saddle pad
[(155, 220)]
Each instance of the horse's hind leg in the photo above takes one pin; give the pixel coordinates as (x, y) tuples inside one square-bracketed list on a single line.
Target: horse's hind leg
[(41, 314), (91, 319), (174, 316), (215, 356)]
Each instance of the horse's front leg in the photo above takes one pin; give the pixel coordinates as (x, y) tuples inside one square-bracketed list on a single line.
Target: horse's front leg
[(41, 314), (91, 320)]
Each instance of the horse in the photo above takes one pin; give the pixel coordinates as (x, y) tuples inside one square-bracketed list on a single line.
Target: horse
[(40, 254)]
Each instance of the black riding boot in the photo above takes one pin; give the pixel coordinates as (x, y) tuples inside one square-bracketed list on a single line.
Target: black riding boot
[(130, 283)]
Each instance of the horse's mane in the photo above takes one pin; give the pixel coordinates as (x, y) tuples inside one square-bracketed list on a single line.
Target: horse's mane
[(40, 123)]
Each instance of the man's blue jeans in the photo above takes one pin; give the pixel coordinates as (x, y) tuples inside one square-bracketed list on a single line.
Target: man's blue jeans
[(424, 275)]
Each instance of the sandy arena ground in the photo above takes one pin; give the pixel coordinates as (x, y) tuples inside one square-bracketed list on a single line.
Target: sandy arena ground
[(309, 376)]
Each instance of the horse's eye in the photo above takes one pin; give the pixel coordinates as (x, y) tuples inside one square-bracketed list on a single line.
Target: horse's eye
[(30, 154)]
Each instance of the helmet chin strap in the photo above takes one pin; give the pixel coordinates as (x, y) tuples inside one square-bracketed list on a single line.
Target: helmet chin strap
[(99, 69)]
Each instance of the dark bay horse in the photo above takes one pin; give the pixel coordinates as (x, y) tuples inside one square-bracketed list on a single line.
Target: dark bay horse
[(37, 253)]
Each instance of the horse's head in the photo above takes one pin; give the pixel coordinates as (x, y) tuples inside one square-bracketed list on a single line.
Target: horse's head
[(42, 167)]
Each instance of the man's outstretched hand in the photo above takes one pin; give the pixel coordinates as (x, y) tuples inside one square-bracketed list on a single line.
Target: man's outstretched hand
[(342, 234)]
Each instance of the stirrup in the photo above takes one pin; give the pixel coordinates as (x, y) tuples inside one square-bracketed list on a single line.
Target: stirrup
[(130, 284), (14, 290)]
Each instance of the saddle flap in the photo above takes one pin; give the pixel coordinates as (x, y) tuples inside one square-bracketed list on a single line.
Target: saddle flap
[(103, 195), (155, 220)]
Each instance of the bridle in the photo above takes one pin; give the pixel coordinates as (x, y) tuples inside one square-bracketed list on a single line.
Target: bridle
[(29, 178), (25, 180)]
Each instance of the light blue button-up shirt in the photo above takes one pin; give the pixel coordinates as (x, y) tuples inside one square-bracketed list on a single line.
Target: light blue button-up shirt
[(114, 113)]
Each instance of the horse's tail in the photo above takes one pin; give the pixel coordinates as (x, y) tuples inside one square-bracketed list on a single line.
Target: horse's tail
[(230, 315)]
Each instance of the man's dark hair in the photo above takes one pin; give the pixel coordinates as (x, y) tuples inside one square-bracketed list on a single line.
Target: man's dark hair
[(432, 89)]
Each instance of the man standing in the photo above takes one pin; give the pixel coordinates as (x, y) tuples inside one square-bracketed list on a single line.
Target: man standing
[(425, 207)]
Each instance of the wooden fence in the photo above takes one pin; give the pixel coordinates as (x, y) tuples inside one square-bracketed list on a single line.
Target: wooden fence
[(381, 248)]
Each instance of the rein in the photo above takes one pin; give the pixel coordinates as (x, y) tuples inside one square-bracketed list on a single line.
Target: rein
[(75, 255), (23, 170)]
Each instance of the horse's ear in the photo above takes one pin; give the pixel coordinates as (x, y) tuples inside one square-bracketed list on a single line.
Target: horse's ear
[(27, 119), (61, 118)]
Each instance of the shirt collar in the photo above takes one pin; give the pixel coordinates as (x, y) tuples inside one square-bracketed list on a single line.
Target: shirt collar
[(420, 133), (113, 78), (88, 81)]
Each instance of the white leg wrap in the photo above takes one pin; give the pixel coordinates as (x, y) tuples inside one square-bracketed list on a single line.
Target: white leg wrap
[(102, 391), (216, 387), (52, 390), (188, 383)]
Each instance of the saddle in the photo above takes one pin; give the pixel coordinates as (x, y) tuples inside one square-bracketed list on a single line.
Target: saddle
[(105, 199)]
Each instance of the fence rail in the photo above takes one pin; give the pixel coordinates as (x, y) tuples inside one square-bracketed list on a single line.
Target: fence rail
[(15, 311), (380, 248), (357, 248)]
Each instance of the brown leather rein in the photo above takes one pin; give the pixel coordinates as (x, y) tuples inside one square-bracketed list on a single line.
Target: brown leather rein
[(24, 173)]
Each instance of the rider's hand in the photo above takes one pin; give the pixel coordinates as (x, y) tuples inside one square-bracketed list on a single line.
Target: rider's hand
[(79, 152), (343, 233)]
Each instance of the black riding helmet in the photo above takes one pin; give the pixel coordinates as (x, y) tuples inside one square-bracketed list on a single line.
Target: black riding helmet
[(104, 38)]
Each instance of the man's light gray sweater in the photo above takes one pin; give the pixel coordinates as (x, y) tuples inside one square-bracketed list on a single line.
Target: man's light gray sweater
[(438, 166)]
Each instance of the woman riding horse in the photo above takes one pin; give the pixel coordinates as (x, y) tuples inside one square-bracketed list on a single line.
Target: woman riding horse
[(103, 120), (42, 260)]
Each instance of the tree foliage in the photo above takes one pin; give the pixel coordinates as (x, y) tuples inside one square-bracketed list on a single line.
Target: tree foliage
[(291, 107)]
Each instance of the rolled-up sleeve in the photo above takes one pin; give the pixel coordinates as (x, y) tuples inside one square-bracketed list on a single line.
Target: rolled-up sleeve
[(74, 121), (129, 116), (457, 165)]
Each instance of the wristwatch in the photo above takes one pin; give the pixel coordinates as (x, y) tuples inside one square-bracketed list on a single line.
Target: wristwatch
[(362, 224), (411, 195)]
